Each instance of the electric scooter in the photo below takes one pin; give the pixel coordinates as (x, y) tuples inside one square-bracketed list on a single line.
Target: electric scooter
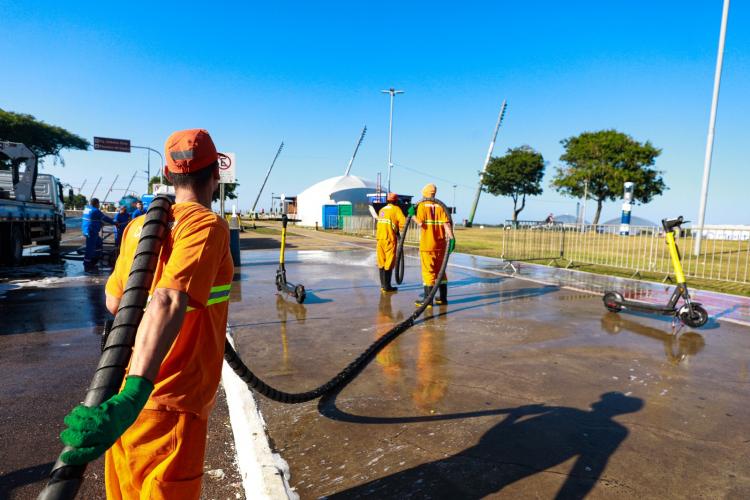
[(691, 313), (282, 285)]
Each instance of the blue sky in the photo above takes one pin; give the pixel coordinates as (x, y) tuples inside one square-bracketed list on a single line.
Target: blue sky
[(310, 73)]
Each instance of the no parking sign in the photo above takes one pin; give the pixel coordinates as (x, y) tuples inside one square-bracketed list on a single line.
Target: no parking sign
[(227, 168)]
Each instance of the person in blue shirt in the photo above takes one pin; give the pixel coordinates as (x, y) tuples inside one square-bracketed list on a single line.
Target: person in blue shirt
[(138, 210), (122, 217), (91, 227)]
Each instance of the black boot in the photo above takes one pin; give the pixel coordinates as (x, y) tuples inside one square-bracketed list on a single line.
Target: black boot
[(381, 271), (422, 299), (443, 300), (388, 287)]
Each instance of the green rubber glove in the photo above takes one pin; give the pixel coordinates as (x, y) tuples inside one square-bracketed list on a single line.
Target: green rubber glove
[(92, 431), (451, 245), (411, 211)]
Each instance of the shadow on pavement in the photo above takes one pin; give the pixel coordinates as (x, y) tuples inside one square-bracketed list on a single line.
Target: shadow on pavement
[(529, 440), (22, 477)]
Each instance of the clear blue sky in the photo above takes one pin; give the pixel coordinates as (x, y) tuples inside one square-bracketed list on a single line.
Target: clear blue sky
[(310, 73)]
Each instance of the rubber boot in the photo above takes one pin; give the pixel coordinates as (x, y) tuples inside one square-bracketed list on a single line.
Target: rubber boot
[(443, 300), (381, 271), (422, 299), (388, 287)]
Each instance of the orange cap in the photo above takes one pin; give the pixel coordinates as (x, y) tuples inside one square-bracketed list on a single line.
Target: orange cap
[(392, 197), (429, 191), (189, 151)]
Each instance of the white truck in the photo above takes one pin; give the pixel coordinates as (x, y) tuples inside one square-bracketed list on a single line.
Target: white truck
[(31, 205)]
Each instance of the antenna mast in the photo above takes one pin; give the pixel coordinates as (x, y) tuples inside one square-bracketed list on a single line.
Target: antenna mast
[(356, 148), (281, 146), (486, 162)]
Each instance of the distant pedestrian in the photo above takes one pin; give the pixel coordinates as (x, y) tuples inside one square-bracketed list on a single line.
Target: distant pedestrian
[(138, 210), (550, 219), (91, 227), (121, 220)]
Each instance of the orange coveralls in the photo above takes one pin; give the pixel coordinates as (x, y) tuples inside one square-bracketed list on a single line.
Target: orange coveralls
[(390, 222), (432, 240), (161, 455)]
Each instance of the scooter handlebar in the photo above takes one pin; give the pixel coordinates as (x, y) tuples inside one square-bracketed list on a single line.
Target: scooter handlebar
[(670, 224)]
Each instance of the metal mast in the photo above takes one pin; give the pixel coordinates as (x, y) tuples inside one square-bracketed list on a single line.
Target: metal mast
[(281, 146), (486, 162), (356, 148)]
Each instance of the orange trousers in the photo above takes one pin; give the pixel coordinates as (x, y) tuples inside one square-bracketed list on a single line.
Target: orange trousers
[(386, 252), (159, 457), (431, 262)]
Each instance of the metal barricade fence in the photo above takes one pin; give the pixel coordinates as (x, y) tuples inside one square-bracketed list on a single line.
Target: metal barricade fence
[(725, 254), (367, 226)]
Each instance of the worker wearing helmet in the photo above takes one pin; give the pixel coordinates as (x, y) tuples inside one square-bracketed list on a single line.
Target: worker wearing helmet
[(390, 222), (435, 231), (154, 431)]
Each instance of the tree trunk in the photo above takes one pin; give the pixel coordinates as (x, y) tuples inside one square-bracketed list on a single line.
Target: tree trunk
[(516, 212), (599, 204)]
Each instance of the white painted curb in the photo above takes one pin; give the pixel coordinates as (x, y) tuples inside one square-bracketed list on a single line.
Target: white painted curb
[(265, 474)]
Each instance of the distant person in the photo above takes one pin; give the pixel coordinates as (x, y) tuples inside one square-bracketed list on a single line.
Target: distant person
[(550, 219), (91, 227), (121, 220), (390, 222), (138, 210), (436, 229)]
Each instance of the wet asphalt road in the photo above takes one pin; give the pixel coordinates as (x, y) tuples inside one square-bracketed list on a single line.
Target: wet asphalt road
[(516, 389), (51, 315)]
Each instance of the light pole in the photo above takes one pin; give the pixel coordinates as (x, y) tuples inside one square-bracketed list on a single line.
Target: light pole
[(711, 126), (392, 93), (148, 171)]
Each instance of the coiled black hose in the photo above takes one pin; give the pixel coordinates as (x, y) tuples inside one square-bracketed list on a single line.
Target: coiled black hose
[(355, 367), (65, 480)]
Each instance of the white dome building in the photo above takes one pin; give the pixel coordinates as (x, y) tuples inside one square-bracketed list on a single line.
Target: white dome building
[(344, 194)]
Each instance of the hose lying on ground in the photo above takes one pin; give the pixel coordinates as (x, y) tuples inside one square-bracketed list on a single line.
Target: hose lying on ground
[(355, 367), (65, 480)]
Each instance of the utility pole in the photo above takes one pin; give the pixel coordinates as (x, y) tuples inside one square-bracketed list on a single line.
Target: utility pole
[(281, 146), (500, 116), (392, 93), (583, 209), (148, 165), (356, 148), (711, 127), (95, 188)]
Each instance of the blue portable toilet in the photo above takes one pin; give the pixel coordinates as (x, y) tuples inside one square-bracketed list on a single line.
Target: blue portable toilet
[(330, 216)]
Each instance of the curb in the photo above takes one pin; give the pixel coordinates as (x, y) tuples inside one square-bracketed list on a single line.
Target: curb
[(265, 475)]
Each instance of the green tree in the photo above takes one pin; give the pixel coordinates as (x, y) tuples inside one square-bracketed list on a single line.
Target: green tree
[(75, 200), (606, 160), (517, 174), (41, 138), (228, 190)]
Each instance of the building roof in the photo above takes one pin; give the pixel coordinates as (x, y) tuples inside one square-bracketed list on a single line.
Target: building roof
[(332, 185)]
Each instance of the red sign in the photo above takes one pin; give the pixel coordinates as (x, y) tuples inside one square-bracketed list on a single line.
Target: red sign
[(108, 144)]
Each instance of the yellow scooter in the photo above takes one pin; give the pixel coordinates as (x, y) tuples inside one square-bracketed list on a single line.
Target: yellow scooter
[(282, 285), (691, 313)]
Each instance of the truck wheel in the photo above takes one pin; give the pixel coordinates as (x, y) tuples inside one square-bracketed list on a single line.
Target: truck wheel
[(54, 245), (14, 247)]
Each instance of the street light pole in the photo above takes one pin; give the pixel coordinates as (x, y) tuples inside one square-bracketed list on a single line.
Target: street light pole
[(161, 168), (392, 93), (711, 127)]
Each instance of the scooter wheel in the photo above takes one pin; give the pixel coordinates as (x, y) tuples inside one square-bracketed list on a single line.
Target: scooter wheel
[(694, 317), (299, 294), (279, 282), (612, 301)]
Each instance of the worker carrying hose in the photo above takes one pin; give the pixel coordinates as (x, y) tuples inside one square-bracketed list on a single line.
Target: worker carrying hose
[(390, 222), (435, 230), (154, 431)]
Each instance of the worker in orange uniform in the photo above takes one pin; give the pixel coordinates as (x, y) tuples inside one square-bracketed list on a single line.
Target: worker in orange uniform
[(390, 222), (154, 431), (435, 230)]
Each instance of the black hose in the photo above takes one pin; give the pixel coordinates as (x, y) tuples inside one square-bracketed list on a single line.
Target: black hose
[(400, 264), (65, 480), (355, 367)]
